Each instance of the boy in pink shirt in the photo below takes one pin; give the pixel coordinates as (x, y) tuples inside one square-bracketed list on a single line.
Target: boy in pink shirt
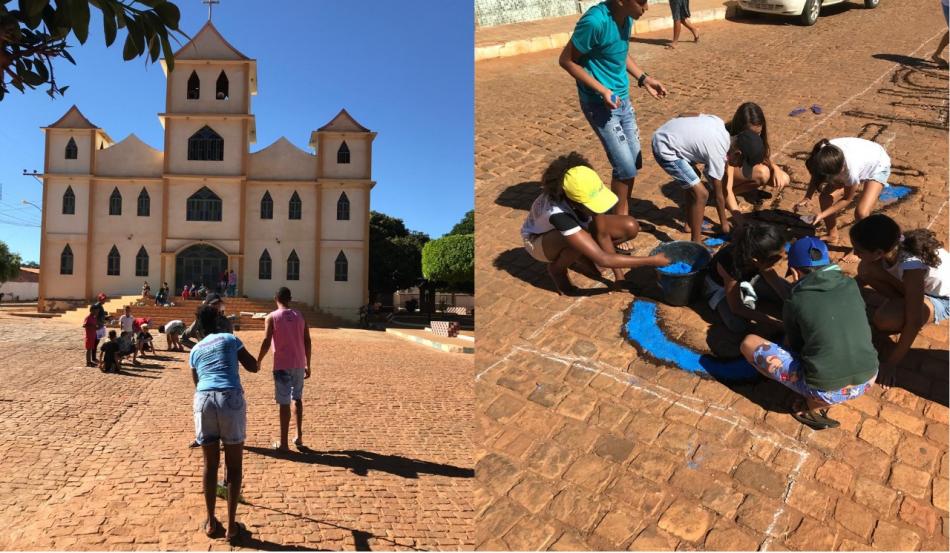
[(288, 329)]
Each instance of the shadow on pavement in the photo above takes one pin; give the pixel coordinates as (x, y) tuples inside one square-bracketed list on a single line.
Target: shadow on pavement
[(906, 60), (522, 266), (125, 371), (653, 41), (361, 462), (519, 196)]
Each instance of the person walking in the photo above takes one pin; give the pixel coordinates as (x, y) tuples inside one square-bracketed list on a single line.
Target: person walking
[(232, 284), (220, 414), (288, 330), (937, 55), (596, 57), (680, 12)]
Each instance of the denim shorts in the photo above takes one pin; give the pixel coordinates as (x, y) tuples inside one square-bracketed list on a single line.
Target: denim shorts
[(288, 384), (784, 367), (220, 415), (882, 175), (618, 133), (941, 307), (681, 170)]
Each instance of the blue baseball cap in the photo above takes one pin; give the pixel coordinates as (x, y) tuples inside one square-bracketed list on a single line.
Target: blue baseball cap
[(799, 255)]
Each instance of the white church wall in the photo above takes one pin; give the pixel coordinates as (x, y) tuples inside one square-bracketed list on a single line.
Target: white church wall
[(228, 228), (180, 130), (64, 286), (56, 221), (207, 101), (255, 287), (282, 161), (132, 159), (355, 227), (57, 151), (341, 298), (356, 168)]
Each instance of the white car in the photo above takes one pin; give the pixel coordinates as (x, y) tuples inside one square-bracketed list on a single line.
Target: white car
[(806, 10)]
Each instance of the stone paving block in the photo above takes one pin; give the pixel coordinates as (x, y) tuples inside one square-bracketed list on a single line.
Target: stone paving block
[(811, 534), (533, 493), (591, 472), (685, 520), (642, 495), (900, 418), (856, 518), (880, 434), (729, 538), (614, 448), (941, 490), (891, 537), (569, 541), (766, 516), (761, 478), (653, 539), (919, 453), (549, 460), (497, 473), (722, 499), (576, 509), (654, 465), (610, 416), (814, 500), (939, 433), (617, 527), (528, 532), (577, 406), (921, 515), (909, 480), (504, 408), (871, 494)]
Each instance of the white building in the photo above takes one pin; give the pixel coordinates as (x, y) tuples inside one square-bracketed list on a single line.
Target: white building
[(116, 214)]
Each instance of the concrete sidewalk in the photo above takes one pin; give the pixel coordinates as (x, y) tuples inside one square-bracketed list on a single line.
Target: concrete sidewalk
[(503, 41)]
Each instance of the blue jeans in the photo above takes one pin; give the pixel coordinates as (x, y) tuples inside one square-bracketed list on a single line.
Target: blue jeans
[(220, 415), (618, 132), (681, 170)]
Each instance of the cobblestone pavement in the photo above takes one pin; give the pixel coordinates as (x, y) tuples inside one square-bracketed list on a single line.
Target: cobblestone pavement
[(583, 442), (96, 461)]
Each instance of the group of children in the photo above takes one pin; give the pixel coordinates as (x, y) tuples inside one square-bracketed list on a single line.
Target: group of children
[(133, 338)]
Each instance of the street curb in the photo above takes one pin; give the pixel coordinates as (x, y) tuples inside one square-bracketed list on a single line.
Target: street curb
[(448, 348), (558, 40)]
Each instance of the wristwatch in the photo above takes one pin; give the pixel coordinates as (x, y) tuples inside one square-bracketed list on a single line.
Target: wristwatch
[(642, 79)]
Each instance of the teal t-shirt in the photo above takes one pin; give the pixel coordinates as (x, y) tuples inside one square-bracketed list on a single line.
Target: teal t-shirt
[(603, 47), (215, 359)]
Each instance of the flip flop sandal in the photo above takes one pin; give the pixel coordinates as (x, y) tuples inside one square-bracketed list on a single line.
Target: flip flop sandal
[(797, 111), (215, 528), (815, 420), (276, 447), (816, 109), (298, 442), (237, 536)]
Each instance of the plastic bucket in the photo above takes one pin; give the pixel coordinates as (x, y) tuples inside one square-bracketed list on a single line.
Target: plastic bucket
[(682, 280)]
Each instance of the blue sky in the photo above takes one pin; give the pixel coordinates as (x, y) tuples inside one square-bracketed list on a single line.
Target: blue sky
[(402, 69)]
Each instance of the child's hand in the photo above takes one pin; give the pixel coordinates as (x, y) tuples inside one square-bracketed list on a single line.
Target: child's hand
[(654, 87), (661, 260), (781, 179), (611, 100), (804, 205)]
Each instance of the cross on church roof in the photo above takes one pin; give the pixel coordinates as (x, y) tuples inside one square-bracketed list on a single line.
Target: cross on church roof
[(210, 4)]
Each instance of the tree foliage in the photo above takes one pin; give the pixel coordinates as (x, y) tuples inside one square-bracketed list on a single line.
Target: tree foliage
[(395, 254), (33, 33), (9, 264), (466, 225), (450, 260)]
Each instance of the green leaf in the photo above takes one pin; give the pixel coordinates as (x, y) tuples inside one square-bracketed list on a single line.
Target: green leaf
[(137, 32), (68, 56), (32, 8), (169, 53), (129, 51), (63, 89), (109, 28), (40, 68), (170, 15), (32, 78), (79, 12), (154, 47)]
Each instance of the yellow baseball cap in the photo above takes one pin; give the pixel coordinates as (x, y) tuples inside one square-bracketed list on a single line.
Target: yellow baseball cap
[(583, 185)]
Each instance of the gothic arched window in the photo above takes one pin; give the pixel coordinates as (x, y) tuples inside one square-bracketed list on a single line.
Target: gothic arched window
[(206, 145), (267, 206), (112, 269), (341, 268), (69, 201), (203, 205), (72, 151), (194, 86), (115, 202), (296, 208), (145, 203), (221, 88), (263, 266), (343, 154), (66, 261), (343, 208), (293, 266), (141, 262)]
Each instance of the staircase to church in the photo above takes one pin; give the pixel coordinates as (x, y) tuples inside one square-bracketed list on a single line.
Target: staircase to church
[(184, 310)]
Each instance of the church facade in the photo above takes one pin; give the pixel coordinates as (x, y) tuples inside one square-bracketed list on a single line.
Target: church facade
[(117, 214)]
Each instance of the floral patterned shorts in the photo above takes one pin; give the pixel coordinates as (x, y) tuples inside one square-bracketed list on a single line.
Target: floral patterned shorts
[(783, 366)]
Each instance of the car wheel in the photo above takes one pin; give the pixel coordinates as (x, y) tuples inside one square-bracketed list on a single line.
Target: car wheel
[(810, 13), (871, 3)]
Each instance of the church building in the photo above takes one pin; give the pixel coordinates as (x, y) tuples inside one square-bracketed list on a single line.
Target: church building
[(116, 214)]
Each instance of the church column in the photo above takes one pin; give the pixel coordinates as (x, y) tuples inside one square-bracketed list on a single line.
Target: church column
[(319, 230), (44, 266), (91, 225)]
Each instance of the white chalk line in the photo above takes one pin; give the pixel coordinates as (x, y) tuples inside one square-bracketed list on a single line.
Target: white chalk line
[(556, 317), (939, 211)]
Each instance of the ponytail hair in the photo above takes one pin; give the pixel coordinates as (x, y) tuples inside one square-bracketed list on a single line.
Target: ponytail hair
[(825, 161), (756, 241), (922, 243), (552, 180)]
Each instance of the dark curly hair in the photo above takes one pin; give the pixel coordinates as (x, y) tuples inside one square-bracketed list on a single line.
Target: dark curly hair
[(756, 241), (875, 232), (748, 115), (825, 162), (922, 243), (552, 180)]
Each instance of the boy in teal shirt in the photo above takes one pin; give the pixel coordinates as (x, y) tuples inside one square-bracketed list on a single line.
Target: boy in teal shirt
[(596, 56), (829, 357)]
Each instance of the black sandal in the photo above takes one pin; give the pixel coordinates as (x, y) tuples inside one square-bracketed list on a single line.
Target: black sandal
[(816, 419)]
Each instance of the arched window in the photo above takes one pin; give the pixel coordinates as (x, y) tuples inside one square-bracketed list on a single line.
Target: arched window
[(343, 208), (295, 207), (206, 145), (141, 262), (263, 266), (343, 154), (194, 86), (267, 206), (69, 201), (341, 268), (145, 203), (221, 88), (72, 151), (112, 269), (66, 261), (115, 202), (203, 205), (293, 266)]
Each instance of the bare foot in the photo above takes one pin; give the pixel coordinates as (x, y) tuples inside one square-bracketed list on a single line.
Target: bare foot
[(938, 60), (562, 283), (849, 258), (887, 380), (671, 46), (695, 38), (212, 527)]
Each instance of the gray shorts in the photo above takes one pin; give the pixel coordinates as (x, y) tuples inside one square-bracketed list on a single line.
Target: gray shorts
[(220, 415), (288, 384)]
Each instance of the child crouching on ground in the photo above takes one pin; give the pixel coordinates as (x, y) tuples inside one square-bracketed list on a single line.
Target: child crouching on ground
[(741, 272), (828, 357), (143, 341), (703, 138), (569, 222), (911, 274), (173, 331), (111, 359)]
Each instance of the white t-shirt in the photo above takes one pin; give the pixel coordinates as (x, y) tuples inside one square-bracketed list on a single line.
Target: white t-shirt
[(547, 214), (937, 281), (703, 139), (863, 158), (126, 322)]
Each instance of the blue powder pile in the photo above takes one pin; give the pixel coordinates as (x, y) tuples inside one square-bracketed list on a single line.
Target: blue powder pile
[(717, 240), (678, 268), (894, 193), (643, 329)]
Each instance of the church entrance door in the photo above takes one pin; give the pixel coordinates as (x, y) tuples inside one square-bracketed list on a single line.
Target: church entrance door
[(200, 264)]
